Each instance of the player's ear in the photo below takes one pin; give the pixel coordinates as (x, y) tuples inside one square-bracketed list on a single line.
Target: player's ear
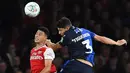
[(67, 27), (46, 37)]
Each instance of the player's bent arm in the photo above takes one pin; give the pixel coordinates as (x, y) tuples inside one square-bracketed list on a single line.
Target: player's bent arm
[(55, 46), (106, 40), (47, 68)]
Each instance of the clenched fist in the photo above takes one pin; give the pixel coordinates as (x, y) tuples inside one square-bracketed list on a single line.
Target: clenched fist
[(121, 42)]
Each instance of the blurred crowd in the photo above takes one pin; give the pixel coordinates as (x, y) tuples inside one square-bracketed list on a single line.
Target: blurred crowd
[(110, 18)]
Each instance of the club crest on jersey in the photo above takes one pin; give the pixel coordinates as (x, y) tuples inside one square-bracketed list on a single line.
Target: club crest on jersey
[(39, 52)]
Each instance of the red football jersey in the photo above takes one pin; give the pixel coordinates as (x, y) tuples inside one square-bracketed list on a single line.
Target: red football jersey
[(37, 57)]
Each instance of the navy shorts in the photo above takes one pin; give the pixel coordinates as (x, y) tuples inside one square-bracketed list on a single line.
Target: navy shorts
[(74, 66)]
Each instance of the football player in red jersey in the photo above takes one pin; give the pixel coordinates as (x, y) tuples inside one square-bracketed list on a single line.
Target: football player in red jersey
[(41, 56)]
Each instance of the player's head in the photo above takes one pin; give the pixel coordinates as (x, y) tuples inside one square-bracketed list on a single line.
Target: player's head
[(41, 35), (63, 25)]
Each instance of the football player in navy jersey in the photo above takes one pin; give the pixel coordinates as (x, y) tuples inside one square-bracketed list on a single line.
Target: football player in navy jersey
[(79, 43)]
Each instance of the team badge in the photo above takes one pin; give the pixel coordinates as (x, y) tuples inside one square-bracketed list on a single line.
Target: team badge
[(39, 52)]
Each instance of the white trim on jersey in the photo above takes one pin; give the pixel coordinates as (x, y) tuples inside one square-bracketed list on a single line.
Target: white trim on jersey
[(49, 54)]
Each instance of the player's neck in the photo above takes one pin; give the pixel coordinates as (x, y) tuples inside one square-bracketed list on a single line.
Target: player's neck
[(38, 45)]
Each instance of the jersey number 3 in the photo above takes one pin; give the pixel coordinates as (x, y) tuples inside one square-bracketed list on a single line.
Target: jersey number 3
[(87, 43)]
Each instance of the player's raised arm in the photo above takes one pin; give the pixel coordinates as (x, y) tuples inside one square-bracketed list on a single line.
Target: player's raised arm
[(63, 42), (106, 40)]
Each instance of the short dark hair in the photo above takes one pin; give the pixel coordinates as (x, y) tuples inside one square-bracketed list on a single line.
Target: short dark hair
[(63, 22), (45, 30)]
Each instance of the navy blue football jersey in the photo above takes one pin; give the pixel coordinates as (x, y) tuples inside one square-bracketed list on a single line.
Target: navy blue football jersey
[(79, 43)]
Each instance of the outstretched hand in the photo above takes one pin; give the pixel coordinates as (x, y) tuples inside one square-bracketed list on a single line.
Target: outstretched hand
[(121, 42)]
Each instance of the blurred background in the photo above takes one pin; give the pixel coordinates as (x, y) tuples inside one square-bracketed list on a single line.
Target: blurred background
[(110, 18)]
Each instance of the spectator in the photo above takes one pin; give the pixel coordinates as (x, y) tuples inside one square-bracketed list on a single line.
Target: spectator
[(111, 66), (18, 71), (127, 68), (3, 67), (102, 16), (105, 53), (123, 60), (28, 70), (17, 63)]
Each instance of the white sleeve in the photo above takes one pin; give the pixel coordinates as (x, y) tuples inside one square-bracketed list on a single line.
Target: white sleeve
[(49, 54)]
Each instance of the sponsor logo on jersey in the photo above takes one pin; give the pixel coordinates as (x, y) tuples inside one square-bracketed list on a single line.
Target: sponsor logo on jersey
[(80, 37), (36, 58)]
